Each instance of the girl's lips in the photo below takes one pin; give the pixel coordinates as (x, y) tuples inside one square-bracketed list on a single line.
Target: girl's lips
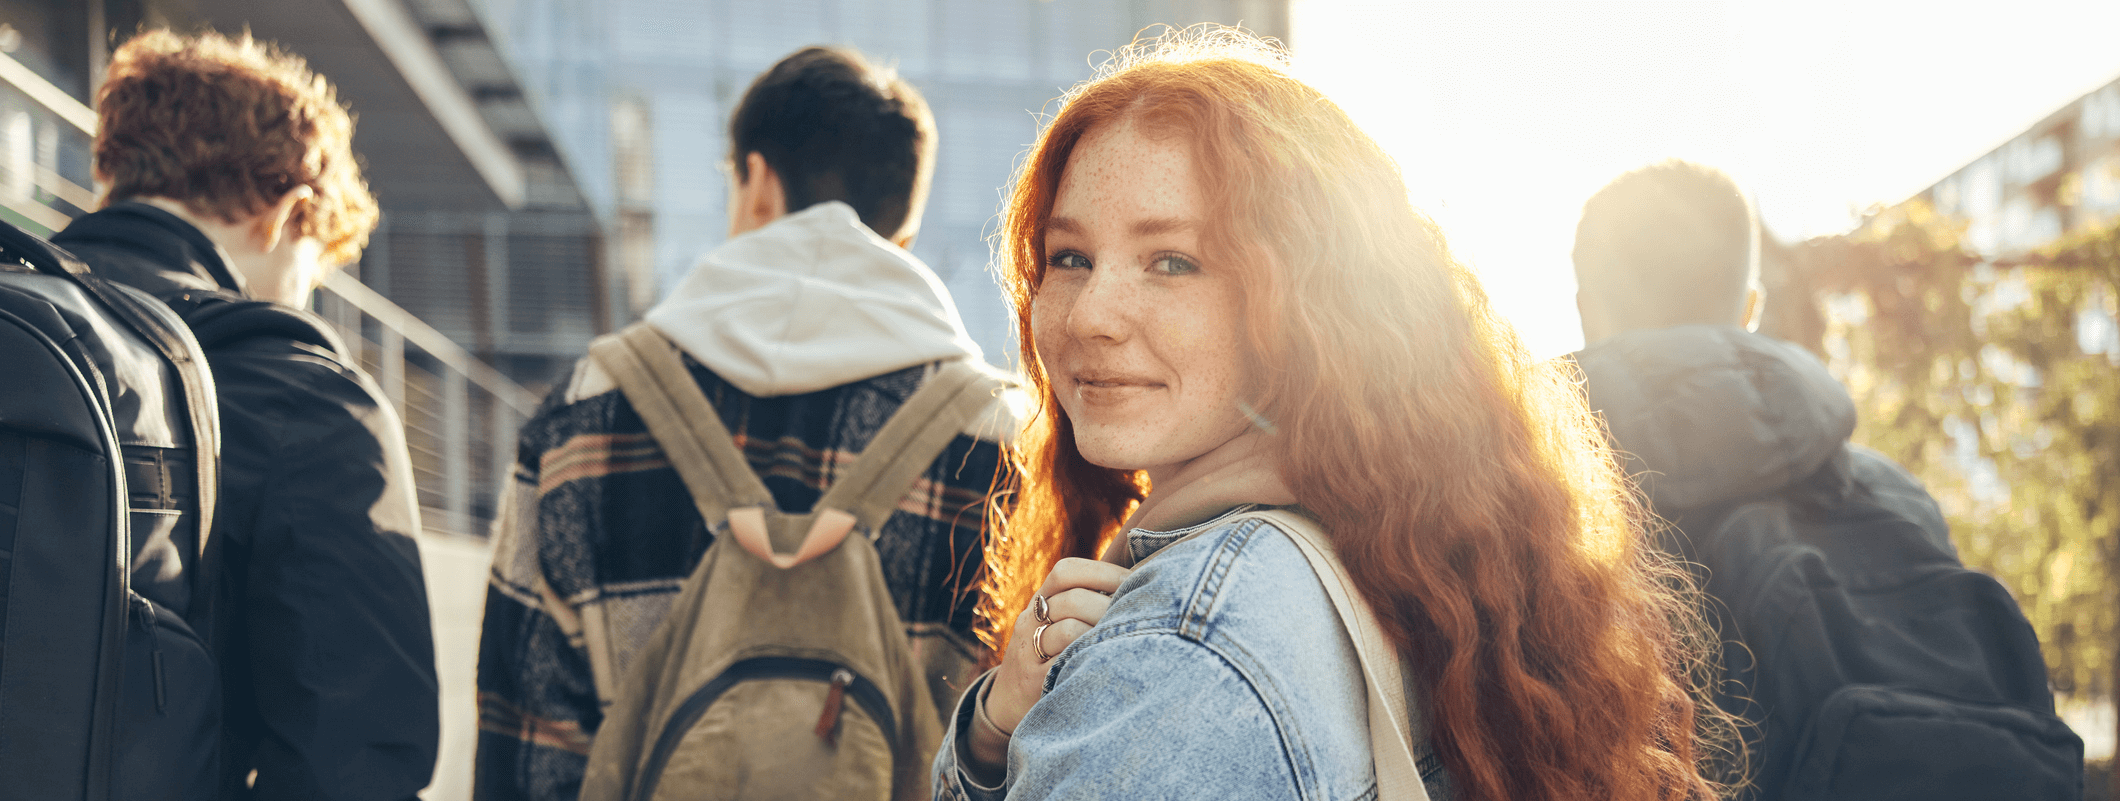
[(1109, 390), (1115, 381)]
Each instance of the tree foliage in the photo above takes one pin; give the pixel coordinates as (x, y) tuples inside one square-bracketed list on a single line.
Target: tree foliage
[(1996, 382)]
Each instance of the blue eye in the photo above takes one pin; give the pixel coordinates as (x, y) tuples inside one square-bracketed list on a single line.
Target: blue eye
[(1173, 264), (1068, 260)]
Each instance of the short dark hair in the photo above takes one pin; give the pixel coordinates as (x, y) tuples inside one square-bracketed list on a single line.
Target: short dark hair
[(1668, 244), (836, 127)]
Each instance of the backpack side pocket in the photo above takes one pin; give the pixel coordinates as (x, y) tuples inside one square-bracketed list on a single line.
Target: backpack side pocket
[(1875, 742), (169, 715)]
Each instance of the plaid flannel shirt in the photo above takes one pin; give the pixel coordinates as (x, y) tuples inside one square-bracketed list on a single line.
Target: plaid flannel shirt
[(595, 516)]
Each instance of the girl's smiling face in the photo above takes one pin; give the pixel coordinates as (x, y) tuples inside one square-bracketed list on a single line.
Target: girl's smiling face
[(1138, 334)]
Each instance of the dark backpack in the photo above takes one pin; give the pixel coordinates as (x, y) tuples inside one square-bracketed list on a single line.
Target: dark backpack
[(109, 451), (1875, 665), (220, 320)]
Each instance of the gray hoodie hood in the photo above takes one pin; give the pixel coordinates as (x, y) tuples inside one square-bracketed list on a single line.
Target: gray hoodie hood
[(810, 301), (1708, 413)]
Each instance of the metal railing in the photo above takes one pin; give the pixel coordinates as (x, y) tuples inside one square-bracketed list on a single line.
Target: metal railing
[(460, 414), (44, 151)]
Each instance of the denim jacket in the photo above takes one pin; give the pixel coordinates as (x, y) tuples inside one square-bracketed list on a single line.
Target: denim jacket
[(1220, 671)]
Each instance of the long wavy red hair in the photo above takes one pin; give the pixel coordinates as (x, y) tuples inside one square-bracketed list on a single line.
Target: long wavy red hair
[(1466, 486)]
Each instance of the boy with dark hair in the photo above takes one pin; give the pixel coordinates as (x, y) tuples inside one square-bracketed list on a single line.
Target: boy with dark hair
[(1871, 661), (806, 331), (233, 184), (825, 129)]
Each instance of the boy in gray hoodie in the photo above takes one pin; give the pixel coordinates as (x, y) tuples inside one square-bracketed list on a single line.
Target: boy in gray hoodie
[(806, 331), (1860, 651)]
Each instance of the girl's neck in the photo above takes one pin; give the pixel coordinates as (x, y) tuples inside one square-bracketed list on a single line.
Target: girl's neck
[(1236, 472)]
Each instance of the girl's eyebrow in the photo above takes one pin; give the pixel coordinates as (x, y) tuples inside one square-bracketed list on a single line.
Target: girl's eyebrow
[(1149, 227), (1163, 225)]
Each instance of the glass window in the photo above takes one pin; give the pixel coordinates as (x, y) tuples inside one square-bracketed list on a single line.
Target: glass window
[(986, 40), (51, 38), (891, 33), (652, 30), (760, 34)]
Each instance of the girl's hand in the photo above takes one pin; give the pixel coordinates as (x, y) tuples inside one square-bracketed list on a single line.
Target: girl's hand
[(1076, 594)]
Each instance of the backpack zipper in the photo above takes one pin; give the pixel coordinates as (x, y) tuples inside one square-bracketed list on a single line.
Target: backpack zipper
[(146, 609), (828, 721), (842, 680)]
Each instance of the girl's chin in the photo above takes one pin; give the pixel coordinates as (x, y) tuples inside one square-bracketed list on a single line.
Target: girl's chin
[(1116, 453)]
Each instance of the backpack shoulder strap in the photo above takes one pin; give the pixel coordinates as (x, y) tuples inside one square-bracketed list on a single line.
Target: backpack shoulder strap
[(908, 443), (1393, 724), (219, 320), (167, 334), (653, 377), (648, 370)]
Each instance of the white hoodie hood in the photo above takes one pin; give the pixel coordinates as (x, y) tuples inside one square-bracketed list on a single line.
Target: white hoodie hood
[(811, 301)]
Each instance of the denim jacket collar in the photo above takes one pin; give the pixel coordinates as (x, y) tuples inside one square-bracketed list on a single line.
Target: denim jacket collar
[(1142, 543)]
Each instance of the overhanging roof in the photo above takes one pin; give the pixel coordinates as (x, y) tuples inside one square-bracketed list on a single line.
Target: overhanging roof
[(425, 138)]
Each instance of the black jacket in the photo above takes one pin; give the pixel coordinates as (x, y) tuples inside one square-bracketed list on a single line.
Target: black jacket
[(326, 648)]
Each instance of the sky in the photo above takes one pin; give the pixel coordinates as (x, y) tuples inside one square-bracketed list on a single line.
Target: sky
[(1505, 116)]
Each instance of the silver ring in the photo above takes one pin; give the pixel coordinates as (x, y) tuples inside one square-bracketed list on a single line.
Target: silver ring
[(1038, 644), (1041, 609)]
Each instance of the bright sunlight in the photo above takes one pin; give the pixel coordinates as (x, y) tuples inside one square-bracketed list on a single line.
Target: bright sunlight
[(1506, 116)]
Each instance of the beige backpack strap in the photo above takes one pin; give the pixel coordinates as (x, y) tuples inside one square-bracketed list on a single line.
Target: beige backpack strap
[(648, 369), (870, 490), (1391, 717)]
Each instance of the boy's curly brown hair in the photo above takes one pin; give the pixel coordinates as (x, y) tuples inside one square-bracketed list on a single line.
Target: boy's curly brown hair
[(228, 126)]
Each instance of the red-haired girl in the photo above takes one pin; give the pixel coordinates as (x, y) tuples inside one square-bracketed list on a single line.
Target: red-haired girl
[(1228, 302)]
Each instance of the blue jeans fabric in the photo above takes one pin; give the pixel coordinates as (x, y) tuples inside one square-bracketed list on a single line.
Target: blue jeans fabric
[(1220, 671)]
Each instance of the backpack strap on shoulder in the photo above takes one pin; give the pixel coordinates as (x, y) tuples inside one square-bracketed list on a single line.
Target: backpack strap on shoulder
[(924, 425), (179, 346), (1394, 720), (652, 375), (654, 379), (220, 319)]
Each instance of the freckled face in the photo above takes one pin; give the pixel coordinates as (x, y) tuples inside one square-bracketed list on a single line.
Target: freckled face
[(1138, 334)]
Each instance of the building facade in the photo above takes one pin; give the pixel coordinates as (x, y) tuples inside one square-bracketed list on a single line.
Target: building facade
[(485, 273), (2061, 175), (637, 94)]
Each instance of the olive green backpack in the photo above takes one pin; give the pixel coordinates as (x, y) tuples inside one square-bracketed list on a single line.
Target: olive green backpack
[(783, 670)]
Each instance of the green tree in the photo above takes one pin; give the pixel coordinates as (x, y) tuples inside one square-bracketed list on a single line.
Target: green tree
[(1998, 383)]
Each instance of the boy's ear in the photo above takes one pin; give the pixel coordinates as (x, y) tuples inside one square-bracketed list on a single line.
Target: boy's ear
[(273, 223), (1593, 322), (764, 199)]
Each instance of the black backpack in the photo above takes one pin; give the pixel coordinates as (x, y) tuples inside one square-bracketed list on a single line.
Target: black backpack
[(221, 320), (1875, 665), (109, 441)]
